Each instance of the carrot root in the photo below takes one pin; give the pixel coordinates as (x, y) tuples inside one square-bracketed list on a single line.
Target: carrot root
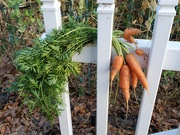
[(124, 83), (140, 52), (128, 32), (135, 67), (116, 66)]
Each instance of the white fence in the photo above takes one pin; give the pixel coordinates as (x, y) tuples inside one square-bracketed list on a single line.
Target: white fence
[(163, 54)]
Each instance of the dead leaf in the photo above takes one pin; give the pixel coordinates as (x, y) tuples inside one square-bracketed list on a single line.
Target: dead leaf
[(148, 23), (1, 114), (41, 122), (78, 107), (153, 5), (7, 130), (145, 5), (15, 121), (140, 19), (82, 111), (13, 107), (3, 128), (174, 122), (6, 106), (36, 115), (18, 128), (14, 133), (24, 121), (8, 119)]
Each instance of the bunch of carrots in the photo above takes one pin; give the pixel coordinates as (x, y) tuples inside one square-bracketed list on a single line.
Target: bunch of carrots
[(126, 65)]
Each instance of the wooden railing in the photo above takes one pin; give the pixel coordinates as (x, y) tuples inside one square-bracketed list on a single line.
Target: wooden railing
[(163, 54)]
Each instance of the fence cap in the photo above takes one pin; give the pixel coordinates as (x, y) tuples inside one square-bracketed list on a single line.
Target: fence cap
[(168, 2), (105, 1), (49, 0), (105, 9)]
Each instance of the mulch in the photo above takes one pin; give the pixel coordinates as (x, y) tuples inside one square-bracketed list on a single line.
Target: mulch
[(16, 120)]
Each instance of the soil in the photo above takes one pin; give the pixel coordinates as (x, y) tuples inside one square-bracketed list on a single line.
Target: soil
[(16, 120)]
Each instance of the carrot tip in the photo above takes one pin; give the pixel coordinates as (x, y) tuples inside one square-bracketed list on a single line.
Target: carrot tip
[(149, 95), (127, 108), (135, 93)]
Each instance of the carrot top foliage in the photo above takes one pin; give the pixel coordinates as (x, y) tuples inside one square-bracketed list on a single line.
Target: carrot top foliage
[(45, 67)]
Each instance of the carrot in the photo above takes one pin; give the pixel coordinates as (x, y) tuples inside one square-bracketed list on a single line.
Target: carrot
[(131, 39), (124, 83), (135, 67), (139, 52), (116, 66), (128, 32), (134, 81)]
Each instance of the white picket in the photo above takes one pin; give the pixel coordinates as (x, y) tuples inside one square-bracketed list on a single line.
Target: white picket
[(104, 40), (51, 14), (65, 120), (161, 32), (52, 20)]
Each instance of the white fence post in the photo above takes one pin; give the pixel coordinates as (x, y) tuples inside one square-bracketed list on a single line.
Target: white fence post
[(65, 117), (51, 14), (105, 25), (52, 20), (162, 28)]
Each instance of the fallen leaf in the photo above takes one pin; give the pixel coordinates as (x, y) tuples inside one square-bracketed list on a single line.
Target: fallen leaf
[(41, 122), (18, 128), (78, 107), (14, 133), (3, 128), (145, 4), (153, 5), (15, 121), (82, 111), (36, 115), (174, 122)]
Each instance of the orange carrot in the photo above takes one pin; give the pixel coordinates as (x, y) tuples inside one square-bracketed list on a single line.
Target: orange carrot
[(131, 39), (139, 52), (134, 81), (124, 83), (116, 66), (128, 32), (135, 67)]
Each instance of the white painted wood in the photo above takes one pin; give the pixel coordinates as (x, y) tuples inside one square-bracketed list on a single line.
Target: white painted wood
[(89, 54), (173, 52), (105, 1), (104, 40), (52, 20), (65, 117), (51, 14), (168, 132), (168, 2), (178, 131), (163, 23)]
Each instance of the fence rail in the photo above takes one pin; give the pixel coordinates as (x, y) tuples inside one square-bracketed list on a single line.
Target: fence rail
[(162, 55)]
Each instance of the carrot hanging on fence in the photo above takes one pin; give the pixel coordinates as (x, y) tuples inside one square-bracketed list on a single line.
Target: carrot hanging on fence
[(124, 83), (134, 81), (140, 52), (116, 66), (128, 32), (135, 67), (131, 39)]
